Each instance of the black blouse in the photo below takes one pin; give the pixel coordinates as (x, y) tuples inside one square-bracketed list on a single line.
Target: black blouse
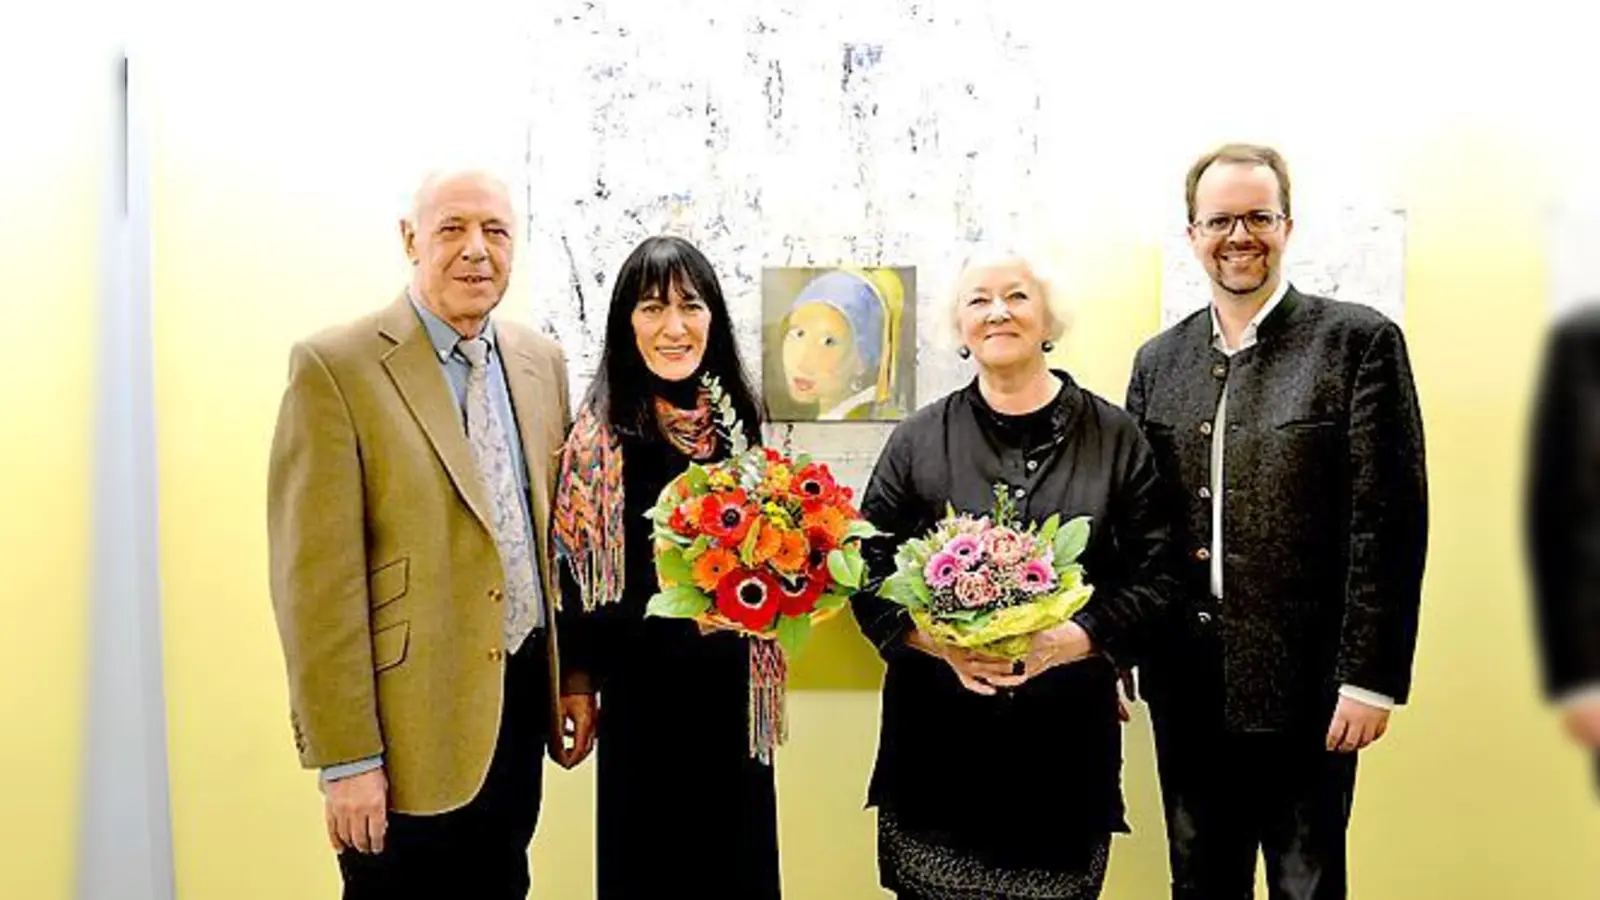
[(1031, 777)]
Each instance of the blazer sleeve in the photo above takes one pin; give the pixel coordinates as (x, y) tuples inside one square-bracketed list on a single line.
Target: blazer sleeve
[(1135, 398), (1388, 524), (887, 503), (317, 559), (575, 645), (1562, 528)]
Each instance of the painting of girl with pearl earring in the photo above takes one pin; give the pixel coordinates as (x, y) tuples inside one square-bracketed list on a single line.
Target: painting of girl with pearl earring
[(839, 343)]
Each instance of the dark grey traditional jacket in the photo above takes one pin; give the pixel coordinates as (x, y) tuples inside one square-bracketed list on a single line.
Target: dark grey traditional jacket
[(1325, 511), (1563, 516)]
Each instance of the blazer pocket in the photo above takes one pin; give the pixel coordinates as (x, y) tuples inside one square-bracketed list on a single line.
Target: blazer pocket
[(389, 645), (389, 583)]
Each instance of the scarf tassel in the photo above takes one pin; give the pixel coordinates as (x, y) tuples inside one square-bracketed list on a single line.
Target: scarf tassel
[(769, 726)]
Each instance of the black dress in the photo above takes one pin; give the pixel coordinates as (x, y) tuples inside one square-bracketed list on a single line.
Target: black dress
[(683, 810), (984, 790)]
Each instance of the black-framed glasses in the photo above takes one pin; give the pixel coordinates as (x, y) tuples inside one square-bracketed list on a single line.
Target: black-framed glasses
[(1256, 221)]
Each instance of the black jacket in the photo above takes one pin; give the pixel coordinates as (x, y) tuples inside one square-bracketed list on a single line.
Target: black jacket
[(1563, 521), (1325, 503), (1031, 777)]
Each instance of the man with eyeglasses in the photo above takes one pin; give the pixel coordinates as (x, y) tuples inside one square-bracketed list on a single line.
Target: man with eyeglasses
[(1288, 429)]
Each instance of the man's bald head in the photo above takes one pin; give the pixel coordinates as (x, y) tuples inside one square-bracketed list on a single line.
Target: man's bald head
[(459, 237)]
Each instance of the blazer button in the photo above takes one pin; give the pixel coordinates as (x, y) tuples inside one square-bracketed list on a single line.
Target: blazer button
[(1203, 555), (1205, 428), (496, 654), (1205, 493), (1219, 371)]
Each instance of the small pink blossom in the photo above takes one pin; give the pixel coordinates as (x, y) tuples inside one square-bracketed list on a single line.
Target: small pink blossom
[(1037, 577), (966, 549), (1006, 547), (974, 591), (941, 570)]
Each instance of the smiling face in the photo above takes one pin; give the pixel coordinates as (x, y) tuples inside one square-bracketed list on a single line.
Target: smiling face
[(820, 361), (459, 241), (1242, 262), (671, 331), (1001, 314)]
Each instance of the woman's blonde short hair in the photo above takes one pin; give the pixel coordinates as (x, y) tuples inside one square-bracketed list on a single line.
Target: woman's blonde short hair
[(1038, 266)]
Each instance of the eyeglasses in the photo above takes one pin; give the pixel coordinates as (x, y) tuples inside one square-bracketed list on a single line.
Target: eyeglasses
[(1259, 221)]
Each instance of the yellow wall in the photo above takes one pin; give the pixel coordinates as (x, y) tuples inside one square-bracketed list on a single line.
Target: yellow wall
[(277, 185), (51, 168)]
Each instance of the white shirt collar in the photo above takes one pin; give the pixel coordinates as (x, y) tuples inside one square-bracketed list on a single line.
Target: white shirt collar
[(1248, 339)]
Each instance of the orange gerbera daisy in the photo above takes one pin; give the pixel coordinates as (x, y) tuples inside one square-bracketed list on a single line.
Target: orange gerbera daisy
[(830, 520), (769, 540), (712, 566), (791, 557)]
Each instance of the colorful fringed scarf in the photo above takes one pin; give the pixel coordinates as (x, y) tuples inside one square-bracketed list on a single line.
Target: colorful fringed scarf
[(588, 532), (587, 521)]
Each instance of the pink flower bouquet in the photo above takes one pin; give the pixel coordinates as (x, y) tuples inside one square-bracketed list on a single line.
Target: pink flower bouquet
[(989, 584)]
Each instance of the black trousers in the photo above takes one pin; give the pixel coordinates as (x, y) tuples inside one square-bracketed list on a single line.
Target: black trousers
[(479, 850), (1228, 795)]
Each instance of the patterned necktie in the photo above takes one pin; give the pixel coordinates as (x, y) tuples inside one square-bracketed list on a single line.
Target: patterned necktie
[(492, 453)]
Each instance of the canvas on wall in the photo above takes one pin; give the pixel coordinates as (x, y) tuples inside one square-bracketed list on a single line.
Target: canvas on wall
[(839, 344)]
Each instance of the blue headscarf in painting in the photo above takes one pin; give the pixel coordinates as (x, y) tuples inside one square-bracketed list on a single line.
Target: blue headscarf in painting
[(858, 301)]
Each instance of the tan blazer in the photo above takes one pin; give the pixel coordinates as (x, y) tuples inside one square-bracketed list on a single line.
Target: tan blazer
[(386, 581)]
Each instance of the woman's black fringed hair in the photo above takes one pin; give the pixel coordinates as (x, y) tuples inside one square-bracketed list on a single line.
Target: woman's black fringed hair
[(621, 384)]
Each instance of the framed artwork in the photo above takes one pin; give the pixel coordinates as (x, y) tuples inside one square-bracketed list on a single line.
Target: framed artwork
[(839, 344)]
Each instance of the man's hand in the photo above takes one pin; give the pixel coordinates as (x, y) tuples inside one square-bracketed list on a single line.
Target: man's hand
[(357, 810), (579, 713), (1583, 722), (1356, 725)]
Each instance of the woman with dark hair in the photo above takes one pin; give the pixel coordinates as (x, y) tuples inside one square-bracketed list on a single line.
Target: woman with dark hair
[(683, 809)]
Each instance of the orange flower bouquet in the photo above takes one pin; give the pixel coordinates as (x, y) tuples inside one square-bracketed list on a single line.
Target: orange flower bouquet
[(761, 544)]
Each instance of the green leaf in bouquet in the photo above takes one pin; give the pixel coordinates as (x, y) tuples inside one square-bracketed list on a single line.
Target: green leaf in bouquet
[(899, 588), (970, 617), (801, 461), (844, 571), (681, 602), (861, 529), (752, 537), (831, 601), (793, 632), (697, 549), (697, 478), (1047, 531), (1070, 540), (670, 536), (858, 565), (671, 566)]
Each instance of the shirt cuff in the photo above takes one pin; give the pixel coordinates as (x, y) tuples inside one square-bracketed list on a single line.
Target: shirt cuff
[(346, 770), (1580, 696), (1366, 697)]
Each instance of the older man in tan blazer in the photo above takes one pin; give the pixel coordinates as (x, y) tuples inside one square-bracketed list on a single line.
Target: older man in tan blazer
[(409, 489)]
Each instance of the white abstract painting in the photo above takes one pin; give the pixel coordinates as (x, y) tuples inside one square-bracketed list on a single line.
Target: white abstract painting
[(790, 134), (1352, 253)]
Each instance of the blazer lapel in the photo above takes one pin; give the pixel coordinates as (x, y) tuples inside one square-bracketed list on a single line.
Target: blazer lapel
[(415, 371)]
